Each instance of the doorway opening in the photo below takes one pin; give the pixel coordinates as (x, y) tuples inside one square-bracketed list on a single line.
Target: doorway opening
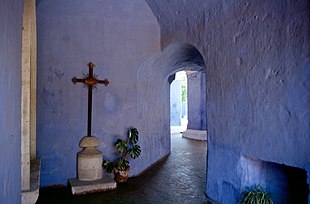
[(186, 89), (188, 104), (155, 76), (178, 103)]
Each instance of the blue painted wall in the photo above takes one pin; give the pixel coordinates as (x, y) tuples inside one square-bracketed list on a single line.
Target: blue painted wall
[(275, 178), (258, 70), (196, 83), (10, 90), (257, 64), (175, 103), (118, 36)]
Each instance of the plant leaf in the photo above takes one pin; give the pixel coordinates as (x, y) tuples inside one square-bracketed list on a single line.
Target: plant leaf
[(133, 135), (134, 152), (121, 146), (108, 166), (121, 164), (258, 195)]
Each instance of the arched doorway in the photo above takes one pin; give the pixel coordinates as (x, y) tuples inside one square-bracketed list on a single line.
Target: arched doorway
[(153, 96), (188, 104)]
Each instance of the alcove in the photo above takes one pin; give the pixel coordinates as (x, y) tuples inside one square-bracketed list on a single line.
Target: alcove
[(286, 184)]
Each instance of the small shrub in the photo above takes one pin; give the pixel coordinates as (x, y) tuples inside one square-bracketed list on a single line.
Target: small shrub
[(257, 195)]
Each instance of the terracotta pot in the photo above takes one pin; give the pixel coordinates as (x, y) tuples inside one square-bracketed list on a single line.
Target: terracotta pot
[(121, 176)]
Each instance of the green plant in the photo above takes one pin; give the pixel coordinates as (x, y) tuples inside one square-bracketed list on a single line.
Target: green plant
[(184, 91), (256, 195), (126, 148)]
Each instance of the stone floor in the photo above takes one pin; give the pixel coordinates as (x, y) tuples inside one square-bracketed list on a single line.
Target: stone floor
[(181, 178)]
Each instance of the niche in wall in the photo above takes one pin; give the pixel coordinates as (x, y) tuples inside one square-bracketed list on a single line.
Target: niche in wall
[(286, 184)]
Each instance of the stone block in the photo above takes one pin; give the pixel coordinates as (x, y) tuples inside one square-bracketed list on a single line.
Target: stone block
[(195, 134), (89, 164), (83, 187)]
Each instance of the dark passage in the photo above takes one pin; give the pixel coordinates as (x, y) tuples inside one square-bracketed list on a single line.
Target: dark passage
[(181, 178)]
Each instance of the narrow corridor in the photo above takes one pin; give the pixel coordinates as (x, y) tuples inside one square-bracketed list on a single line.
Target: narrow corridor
[(181, 178)]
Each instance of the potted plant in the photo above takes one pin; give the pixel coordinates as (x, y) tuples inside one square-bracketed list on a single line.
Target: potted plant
[(127, 149), (256, 195)]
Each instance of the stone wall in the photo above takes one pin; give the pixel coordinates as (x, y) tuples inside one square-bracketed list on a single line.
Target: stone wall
[(11, 13), (258, 70)]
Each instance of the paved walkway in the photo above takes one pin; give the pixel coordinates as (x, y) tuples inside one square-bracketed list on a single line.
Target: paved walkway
[(181, 178)]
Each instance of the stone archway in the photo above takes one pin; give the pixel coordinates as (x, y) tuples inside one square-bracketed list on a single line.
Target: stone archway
[(153, 94)]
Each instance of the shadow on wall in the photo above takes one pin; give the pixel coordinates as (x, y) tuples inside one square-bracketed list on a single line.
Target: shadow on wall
[(153, 96), (286, 184)]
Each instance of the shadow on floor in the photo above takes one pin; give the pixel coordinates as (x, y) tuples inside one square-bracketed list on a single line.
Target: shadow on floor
[(181, 178)]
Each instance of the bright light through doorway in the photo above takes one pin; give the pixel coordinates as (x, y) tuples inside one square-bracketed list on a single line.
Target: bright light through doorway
[(178, 103)]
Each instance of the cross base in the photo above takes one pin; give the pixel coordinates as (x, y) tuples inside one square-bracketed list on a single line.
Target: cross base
[(89, 160), (83, 187)]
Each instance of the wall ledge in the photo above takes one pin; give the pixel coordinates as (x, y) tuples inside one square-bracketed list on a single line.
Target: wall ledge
[(195, 134)]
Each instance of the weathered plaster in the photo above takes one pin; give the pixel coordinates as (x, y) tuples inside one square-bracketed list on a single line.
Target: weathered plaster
[(175, 103), (154, 75), (257, 65), (118, 36), (257, 62), (196, 94), (123, 41), (11, 13)]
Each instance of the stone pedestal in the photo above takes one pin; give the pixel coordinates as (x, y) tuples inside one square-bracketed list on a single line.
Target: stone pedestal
[(89, 169), (89, 160)]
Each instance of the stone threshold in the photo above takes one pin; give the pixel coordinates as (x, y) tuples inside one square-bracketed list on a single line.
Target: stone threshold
[(83, 187), (195, 134), (31, 196)]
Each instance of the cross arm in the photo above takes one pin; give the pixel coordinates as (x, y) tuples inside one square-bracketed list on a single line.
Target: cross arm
[(76, 80), (104, 82)]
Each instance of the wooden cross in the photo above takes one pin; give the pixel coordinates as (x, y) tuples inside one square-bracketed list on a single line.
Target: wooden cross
[(90, 80)]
